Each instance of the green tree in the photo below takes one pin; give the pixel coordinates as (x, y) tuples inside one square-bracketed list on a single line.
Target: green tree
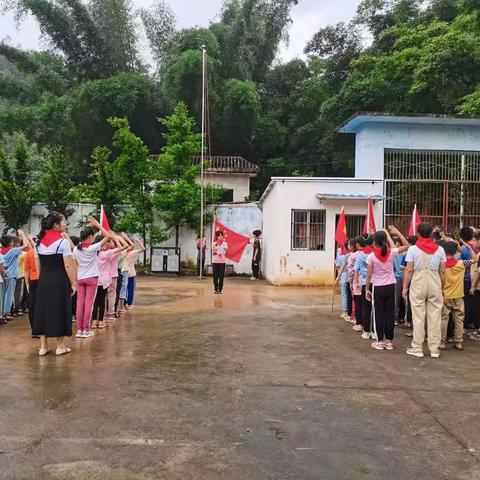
[(177, 195), (55, 184), (114, 20), (16, 193), (159, 22), (133, 173)]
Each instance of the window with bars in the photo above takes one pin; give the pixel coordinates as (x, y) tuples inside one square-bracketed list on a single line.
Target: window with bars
[(308, 229)]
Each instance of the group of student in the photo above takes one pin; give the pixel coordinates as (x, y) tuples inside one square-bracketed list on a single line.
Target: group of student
[(58, 278), (429, 282)]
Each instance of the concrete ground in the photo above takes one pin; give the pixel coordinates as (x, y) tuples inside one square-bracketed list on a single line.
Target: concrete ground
[(261, 383)]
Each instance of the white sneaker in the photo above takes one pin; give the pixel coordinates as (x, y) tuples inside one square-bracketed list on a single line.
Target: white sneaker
[(435, 354), (374, 336), (366, 335), (79, 334), (88, 334), (415, 352)]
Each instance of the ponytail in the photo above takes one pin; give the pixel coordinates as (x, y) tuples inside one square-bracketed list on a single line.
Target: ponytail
[(48, 222), (380, 239), (84, 234)]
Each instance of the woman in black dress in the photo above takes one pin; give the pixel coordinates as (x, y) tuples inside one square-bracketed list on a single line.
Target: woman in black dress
[(56, 285)]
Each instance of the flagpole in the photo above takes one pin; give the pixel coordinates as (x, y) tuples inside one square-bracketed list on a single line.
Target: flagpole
[(202, 186)]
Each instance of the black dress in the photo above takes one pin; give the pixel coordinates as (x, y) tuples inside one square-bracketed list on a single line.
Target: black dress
[(53, 306)]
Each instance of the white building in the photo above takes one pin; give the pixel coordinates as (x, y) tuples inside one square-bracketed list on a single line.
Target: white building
[(231, 173), (433, 161)]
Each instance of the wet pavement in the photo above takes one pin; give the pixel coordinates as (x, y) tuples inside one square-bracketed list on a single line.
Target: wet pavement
[(261, 383)]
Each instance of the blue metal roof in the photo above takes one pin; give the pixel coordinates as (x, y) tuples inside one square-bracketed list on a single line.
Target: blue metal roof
[(348, 196), (355, 123)]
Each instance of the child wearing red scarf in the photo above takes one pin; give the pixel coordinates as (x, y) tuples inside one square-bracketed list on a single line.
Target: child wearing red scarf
[(86, 255), (426, 272), (453, 293), (381, 274)]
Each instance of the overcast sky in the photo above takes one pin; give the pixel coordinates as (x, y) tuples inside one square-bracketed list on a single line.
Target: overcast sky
[(308, 17)]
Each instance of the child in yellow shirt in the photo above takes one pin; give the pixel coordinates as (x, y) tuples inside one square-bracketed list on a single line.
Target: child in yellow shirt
[(453, 294)]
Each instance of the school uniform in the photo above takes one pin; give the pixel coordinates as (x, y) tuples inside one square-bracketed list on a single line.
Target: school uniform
[(87, 283), (112, 289), (341, 260), (10, 256), (453, 295), (132, 275), (104, 281), (218, 265), (383, 281)]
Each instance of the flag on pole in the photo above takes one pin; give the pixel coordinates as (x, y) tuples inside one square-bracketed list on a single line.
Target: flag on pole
[(104, 220), (369, 224), (236, 242), (415, 222), (341, 233)]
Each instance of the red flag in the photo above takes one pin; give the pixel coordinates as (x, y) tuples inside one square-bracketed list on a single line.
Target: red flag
[(369, 224), (341, 233), (415, 222), (104, 220), (236, 242)]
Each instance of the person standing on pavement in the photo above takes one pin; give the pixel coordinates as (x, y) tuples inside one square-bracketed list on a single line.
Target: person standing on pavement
[(201, 254), (425, 275), (257, 254), (57, 283), (219, 257)]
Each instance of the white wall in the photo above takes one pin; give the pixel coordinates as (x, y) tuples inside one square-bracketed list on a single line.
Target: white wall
[(75, 221), (283, 266), (242, 218), (373, 138), (238, 182)]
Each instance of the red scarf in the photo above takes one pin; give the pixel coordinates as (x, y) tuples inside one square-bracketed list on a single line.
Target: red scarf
[(86, 244), (451, 262), (5, 250), (427, 245), (51, 236), (378, 253), (368, 250)]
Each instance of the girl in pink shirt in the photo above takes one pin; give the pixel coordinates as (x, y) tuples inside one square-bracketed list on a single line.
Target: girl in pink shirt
[(107, 253), (219, 256), (381, 274)]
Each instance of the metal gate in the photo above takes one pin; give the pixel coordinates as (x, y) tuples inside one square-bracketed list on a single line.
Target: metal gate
[(445, 185)]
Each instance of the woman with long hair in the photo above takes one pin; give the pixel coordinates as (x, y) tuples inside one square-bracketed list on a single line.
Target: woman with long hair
[(56, 285)]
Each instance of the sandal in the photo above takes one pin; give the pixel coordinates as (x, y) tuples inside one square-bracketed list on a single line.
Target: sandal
[(101, 325), (43, 351), (63, 351)]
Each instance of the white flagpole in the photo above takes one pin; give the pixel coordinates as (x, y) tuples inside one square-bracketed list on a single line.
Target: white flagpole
[(202, 186)]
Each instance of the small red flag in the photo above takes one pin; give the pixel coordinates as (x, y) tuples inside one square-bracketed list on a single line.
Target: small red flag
[(341, 233), (104, 220), (369, 224), (415, 222), (236, 242)]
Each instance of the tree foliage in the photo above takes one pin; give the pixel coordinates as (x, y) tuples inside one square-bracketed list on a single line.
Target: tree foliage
[(423, 57), (177, 193), (16, 187)]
